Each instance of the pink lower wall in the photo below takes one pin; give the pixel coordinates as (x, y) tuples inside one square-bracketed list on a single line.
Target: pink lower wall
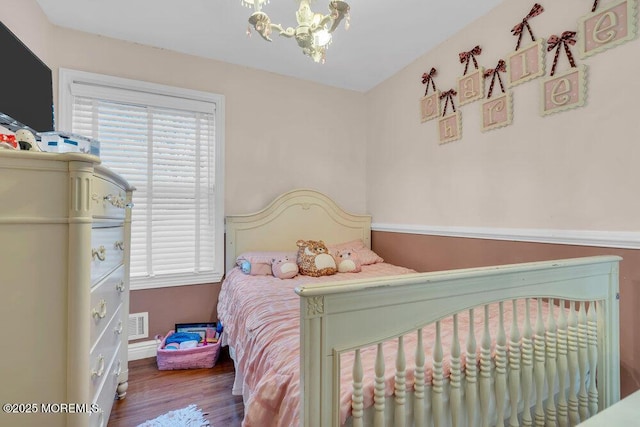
[(432, 253), (179, 304)]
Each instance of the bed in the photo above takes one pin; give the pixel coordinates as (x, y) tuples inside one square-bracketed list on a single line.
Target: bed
[(389, 346)]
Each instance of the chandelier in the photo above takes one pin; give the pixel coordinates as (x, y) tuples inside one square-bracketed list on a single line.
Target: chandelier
[(313, 33)]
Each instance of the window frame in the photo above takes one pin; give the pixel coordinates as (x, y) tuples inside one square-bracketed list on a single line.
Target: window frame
[(63, 121)]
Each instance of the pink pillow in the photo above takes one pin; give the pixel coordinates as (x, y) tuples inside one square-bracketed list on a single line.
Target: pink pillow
[(366, 255)]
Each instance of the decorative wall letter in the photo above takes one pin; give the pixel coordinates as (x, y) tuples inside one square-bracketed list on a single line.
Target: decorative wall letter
[(470, 87), (526, 64), (566, 90), (429, 104), (449, 127), (496, 112), (609, 27)]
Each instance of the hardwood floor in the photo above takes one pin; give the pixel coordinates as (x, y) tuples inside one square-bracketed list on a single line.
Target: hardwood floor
[(152, 393)]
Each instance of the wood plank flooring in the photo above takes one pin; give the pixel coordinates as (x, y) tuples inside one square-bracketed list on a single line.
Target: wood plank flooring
[(152, 393)]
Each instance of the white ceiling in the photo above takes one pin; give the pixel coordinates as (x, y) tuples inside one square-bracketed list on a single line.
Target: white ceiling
[(384, 37)]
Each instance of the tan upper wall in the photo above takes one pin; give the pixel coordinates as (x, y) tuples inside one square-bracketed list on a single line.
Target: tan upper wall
[(574, 170), (281, 133)]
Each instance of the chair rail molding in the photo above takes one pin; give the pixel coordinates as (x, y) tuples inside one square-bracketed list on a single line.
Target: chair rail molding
[(608, 239)]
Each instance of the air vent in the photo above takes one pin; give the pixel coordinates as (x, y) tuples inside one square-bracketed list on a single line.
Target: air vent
[(138, 326)]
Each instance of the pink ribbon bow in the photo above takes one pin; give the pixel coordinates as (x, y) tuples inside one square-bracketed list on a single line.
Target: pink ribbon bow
[(428, 78), (518, 30)]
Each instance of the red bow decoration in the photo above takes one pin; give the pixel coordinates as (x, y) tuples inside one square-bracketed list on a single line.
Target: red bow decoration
[(518, 30), (567, 38), (449, 95), (464, 57), (428, 78), (493, 72)]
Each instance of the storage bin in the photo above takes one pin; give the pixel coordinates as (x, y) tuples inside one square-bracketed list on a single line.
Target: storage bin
[(205, 356), (64, 142)]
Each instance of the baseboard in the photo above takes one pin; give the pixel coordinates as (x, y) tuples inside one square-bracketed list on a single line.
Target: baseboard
[(142, 349), (607, 239)]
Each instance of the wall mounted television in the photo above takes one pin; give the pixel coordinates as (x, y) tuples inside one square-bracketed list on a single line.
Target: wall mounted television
[(27, 90)]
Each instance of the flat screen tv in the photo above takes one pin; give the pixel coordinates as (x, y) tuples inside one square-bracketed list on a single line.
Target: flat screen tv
[(27, 92)]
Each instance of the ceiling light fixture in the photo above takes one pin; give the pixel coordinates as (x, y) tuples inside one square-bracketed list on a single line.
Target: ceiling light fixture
[(313, 32)]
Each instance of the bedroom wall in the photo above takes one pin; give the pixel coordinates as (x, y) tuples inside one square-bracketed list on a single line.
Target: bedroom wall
[(569, 174), (276, 130)]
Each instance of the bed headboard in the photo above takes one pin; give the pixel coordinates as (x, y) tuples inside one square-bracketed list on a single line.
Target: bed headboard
[(298, 214)]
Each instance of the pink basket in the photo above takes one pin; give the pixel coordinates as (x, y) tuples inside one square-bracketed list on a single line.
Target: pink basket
[(188, 358)]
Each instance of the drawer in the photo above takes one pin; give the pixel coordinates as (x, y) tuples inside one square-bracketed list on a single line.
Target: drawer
[(107, 251), (103, 352), (106, 297), (106, 394), (107, 199)]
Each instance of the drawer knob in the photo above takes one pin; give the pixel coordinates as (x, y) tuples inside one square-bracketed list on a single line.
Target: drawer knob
[(100, 253), (102, 311), (116, 201), (118, 329), (120, 286), (119, 370), (98, 372), (101, 417), (119, 245)]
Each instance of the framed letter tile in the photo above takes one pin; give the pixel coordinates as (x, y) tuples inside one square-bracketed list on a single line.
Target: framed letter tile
[(613, 24), (564, 91), (526, 63), (430, 106), (497, 112), (471, 86), (450, 127)]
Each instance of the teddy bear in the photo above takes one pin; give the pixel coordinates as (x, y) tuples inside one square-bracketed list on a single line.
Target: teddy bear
[(284, 268), (314, 259), (348, 261)]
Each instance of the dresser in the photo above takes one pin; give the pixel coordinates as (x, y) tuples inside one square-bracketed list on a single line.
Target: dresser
[(65, 227)]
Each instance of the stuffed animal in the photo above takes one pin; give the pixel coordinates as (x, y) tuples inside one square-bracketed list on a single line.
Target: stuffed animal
[(348, 261), (314, 259), (284, 268)]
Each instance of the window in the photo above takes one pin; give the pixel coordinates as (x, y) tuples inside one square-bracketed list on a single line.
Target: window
[(168, 143)]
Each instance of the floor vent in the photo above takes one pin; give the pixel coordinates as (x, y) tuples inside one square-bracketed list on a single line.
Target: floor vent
[(138, 326)]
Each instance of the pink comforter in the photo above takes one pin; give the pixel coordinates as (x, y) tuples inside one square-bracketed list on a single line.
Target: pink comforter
[(261, 317)]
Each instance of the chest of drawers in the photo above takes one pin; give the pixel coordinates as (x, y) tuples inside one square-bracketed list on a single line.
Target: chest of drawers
[(64, 276)]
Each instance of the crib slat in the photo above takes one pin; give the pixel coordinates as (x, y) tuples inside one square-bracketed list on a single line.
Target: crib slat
[(501, 366), (563, 420), (438, 380), (583, 398), (357, 398), (418, 387), (485, 370), (572, 344), (471, 372), (527, 366), (455, 376), (538, 366), (514, 366), (552, 343), (400, 385), (592, 339), (378, 393)]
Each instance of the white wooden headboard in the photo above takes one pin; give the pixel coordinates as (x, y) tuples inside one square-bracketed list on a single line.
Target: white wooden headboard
[(298, 214)]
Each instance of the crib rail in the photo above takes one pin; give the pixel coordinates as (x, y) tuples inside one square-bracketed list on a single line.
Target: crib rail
[(529, 361)]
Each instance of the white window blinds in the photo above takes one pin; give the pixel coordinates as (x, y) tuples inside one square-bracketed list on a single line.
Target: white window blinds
[(165, 146)]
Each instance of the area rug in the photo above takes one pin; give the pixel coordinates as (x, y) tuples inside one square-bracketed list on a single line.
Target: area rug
[(190, 416)]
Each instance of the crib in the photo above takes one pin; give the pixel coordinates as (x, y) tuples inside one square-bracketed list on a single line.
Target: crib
[(550, 356)]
